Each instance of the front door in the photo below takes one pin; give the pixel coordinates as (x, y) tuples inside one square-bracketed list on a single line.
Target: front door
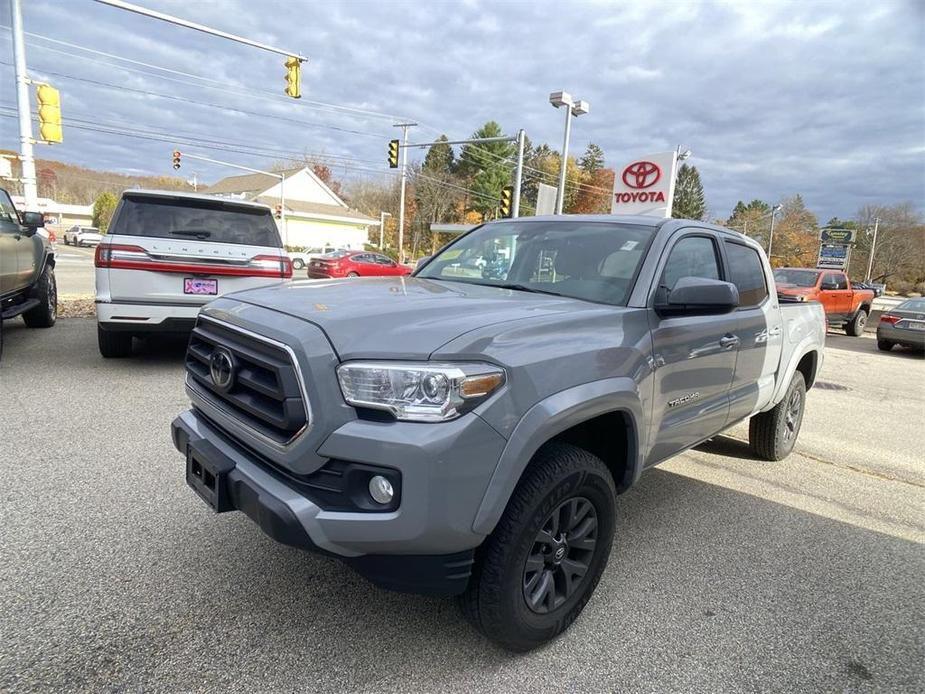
[(837, 300), (12, 242), (694, 356)]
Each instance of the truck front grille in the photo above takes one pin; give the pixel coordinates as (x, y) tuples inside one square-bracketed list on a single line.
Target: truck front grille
[(264, 389)]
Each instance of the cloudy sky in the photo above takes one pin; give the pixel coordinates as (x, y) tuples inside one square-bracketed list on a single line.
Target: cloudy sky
[(826, 99)]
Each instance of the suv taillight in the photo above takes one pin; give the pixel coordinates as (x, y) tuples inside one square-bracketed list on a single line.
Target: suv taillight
[(103, 257), (273, 264)]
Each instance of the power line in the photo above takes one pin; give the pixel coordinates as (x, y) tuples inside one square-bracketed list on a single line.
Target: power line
[(217, 83)]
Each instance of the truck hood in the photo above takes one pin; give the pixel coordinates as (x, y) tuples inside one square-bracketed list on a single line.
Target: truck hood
[(402, 317)]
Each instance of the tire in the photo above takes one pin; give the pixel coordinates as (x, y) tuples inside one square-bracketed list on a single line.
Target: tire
[(353, 274), (114, 345), (884, 345), (297, 264), (66, 242), (560, 478), (46, 291), (1, 339), (772, 434), (855, 327)]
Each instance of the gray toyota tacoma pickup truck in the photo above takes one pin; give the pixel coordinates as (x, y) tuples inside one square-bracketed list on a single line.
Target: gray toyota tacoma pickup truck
[(466, 431)]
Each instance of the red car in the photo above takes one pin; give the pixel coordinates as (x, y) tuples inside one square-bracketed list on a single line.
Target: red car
[(354, 264)]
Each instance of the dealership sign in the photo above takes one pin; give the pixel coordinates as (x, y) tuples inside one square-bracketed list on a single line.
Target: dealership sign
[(837, 235), (833, 256), (645, 186)]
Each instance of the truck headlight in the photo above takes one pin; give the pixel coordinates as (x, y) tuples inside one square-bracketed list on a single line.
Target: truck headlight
[(418, 392)]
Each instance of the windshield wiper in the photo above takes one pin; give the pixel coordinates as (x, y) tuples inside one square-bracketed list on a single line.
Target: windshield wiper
[(521, 288), (198, 233)]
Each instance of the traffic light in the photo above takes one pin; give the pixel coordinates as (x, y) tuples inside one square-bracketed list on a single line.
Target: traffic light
[(507, 201), (293, 77), (49, 113), (279, 211), (176, 159), (393, 154)]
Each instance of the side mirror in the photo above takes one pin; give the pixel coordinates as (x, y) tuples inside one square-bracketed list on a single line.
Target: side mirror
[(693, 296), (33, 220)]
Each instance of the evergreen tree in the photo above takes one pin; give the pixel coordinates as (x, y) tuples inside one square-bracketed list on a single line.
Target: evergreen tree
[(487, 168), (592, 160), (689, 202), (440, 158)]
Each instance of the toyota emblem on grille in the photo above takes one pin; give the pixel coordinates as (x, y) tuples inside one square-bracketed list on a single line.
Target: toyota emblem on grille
[(221, 368)]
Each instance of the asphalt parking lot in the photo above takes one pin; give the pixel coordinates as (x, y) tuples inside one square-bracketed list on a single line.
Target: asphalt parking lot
[(727, 574), (74, 270)]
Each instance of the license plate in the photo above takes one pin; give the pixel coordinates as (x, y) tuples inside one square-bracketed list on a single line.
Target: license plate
[(209, 479), (195, 285), (915, 324)]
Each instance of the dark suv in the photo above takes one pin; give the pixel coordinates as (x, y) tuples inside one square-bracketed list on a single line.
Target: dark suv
[(27, 269)]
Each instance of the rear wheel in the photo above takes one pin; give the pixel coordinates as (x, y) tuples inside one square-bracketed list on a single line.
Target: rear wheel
[(297, 264), (884, 345), (772, 434), (353, 274), (855, 327), (114, 345), (539, 567), (46, 291)]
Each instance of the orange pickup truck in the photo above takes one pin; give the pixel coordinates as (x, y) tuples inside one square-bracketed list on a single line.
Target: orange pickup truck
[(843, 305)]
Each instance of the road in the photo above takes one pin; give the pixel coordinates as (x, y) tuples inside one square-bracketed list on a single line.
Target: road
[(727, 573), (74, 270)]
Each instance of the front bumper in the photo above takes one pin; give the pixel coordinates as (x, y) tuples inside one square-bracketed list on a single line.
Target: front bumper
[(424, 546)]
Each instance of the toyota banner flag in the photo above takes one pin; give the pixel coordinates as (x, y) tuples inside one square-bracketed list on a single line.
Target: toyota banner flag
[(645, 185)]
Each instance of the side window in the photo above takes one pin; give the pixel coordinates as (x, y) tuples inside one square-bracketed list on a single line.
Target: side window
[(7, 209), (746, 273), (693, 256), (382, 260), (834, 280), (842, 281)]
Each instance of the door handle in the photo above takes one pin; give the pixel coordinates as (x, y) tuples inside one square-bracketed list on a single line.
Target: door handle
[(728, 341)]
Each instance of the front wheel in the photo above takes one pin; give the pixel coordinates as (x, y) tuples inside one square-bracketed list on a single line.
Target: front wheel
[(855, 327), (772, 434), (538, 569), (46, 291)]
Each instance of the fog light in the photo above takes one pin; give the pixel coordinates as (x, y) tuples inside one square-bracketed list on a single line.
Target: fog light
[(380, 489)]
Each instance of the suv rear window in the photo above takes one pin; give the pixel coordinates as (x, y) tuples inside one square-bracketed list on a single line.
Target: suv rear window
[(203, 220)]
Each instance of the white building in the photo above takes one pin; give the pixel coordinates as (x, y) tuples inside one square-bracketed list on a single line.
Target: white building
[(59, 216), (313, 214)]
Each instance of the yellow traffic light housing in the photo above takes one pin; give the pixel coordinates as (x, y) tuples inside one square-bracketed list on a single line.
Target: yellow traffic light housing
[(293, 77), (393, 154), (49, 113), (176, 159), (507, 201)]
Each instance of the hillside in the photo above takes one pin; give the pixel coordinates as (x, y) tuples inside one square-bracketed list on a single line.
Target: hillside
[(80, 185)]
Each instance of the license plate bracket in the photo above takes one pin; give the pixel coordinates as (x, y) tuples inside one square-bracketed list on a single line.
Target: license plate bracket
[(209, 479), (200, 286)]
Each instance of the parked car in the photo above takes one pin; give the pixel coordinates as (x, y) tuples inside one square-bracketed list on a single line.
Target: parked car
[(82, 236), (354, 264), (168, 253), (462, 435), (27, 269), (844, 306), (300, 259), (903, 325)]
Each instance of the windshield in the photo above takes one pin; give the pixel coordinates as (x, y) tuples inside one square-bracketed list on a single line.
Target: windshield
[(799, 278), (593, 261), (203, 220)]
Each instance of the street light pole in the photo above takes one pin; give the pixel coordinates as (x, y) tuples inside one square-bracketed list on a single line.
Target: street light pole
[(518, 173), (873, 248), (572, 108), (774, 211), (29, 183), (382, 216)]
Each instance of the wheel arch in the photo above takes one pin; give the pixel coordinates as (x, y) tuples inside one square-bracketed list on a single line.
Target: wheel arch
[(581, 415)]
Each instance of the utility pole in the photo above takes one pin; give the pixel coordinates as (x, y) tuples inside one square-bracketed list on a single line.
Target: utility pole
[(518, 173), (774, 211), (873, 247), (401, 201), (29, 183)]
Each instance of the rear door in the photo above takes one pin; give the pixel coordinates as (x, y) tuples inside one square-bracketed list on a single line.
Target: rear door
[(758, 328), (174, 250), (694, 356)]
